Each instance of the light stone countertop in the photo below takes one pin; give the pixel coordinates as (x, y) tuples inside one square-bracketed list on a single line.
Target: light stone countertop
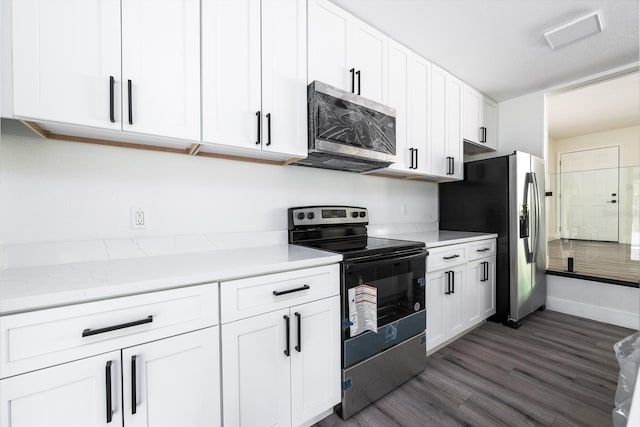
[(434, 239), (37, 287)]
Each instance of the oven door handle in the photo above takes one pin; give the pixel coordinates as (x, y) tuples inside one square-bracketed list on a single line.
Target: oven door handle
[(375, 259)]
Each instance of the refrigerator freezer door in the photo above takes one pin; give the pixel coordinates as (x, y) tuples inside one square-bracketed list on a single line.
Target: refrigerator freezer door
[(521, 282)]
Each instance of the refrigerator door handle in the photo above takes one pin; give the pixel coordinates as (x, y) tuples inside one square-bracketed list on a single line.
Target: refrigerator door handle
[(536, 237), (525, 223)]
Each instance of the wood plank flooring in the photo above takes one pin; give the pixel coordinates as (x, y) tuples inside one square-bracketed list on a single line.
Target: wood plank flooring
[(598, 259), (556, 370)]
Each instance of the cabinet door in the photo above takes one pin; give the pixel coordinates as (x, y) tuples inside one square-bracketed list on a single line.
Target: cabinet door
[(231, 72), (420, 74), (474, 292), (454, 303), (315, 359), (399, 90), (161, 59), (490, 119), (435, 296), (454, 140), (368, 48), (471, 114), (173, 381), (438, 162), (64, 54), (74, 394), (327, 44), (284, 77), (256, 375), (488, 290)]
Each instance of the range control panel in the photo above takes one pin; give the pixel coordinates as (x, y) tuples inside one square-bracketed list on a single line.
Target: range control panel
[(327, 215)]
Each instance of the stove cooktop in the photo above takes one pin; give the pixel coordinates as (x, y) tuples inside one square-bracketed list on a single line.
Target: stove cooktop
[(366, 246)]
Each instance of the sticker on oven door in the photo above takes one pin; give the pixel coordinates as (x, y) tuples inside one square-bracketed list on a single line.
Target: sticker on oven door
[(363, 309)]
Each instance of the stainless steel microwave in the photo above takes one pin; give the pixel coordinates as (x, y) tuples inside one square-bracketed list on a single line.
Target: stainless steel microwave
[(347, 131)]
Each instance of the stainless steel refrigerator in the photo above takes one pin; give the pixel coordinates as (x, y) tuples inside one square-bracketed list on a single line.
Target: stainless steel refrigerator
[(505, 195)]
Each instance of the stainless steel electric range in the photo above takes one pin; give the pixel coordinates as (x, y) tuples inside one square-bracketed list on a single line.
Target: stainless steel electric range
[(382, 300)]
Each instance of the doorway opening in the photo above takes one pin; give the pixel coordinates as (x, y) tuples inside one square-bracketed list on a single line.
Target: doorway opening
[(593, 160)]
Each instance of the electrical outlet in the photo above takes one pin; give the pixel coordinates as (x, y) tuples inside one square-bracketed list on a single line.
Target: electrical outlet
[(403, 209), (138, 218)]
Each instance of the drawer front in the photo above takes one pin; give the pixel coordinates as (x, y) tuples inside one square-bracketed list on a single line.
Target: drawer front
[(47, 337), (481, 249), (445, 257), (256, 295)]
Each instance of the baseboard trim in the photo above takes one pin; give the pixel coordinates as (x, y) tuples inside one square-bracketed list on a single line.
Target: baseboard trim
[(594, 312)]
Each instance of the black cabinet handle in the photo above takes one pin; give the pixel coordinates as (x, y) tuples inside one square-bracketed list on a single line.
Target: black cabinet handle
[(268, 128), (411, 150), (451, 257), (486, 271), (130, 101), (89, 332), (449, 166), (258, 140), (359, 76), (483, 134), (299, 346), (134, 399), (416, 153), (108, 389), (482, 250), (286, 350), (446, 273), (453, 282), (353, 80), (112, 114), (288, 291), (453, 165)]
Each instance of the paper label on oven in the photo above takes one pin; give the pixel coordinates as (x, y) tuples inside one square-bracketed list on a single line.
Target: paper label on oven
[(363, 309)]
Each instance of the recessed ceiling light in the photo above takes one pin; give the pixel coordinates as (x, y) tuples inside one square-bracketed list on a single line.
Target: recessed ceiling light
[(575, 30)]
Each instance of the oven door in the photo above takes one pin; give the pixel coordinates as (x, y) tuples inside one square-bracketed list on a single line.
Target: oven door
[(399, 282)]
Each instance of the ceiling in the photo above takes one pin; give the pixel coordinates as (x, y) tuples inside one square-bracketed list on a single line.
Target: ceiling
[(608, 105), (498, 46)]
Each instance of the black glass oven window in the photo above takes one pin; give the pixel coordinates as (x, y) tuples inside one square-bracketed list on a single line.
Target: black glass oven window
[(351, 124), (400, 293)]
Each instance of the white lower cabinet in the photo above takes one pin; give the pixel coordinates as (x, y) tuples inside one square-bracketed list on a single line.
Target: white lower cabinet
[(461, 290), (71, 395), (174, 381), (282, 368), (445, 305), (142, 360)]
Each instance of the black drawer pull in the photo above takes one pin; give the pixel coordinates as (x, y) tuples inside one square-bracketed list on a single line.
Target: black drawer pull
[(108, 390), (89, 332), (353, 80), (482, 250), (288, 291), (130, 101), (268, 129), (259, 130), (451, 257), (359, 76)]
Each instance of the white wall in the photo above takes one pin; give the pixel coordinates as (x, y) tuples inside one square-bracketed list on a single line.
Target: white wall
[(63, 191), (618, 305)]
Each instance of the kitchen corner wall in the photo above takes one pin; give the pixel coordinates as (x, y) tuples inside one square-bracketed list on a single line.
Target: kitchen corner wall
[(65, 191)]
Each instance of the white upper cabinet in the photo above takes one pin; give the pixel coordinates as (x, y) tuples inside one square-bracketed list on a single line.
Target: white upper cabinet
[(161, 67), (328, 31), (65, 53), (254, 75), (409, 76), (130, 65), (472, 114), (367, 48), (445, 143), (346, 52), (479, 121), (284, 76)]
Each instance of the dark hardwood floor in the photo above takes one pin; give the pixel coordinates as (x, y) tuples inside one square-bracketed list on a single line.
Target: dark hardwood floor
[(556, 370)]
